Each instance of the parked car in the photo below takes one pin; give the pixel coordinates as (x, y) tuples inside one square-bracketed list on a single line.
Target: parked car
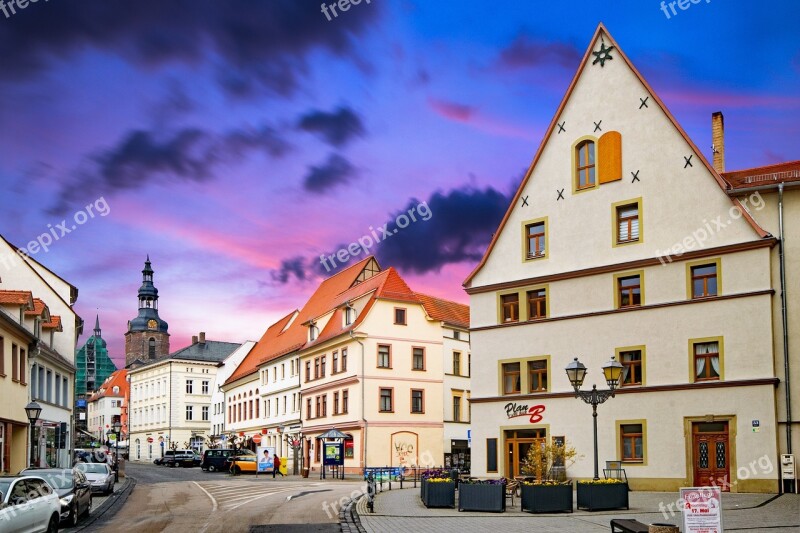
[(28, 504), (157, 461), (216, 460), (196, 459), (73, 489), (99, 475), (178, 458)]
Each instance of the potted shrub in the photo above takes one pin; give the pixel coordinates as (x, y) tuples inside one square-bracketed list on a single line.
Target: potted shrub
[(546, 492), (594, 495), (487, 495), (439, 492)]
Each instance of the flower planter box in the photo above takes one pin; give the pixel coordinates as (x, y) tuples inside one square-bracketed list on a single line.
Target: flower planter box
[(602, 496), (481, 497), (439, 494), (547, 498)]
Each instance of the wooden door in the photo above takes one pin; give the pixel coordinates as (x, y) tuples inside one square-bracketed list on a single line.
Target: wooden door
[(711, 452)]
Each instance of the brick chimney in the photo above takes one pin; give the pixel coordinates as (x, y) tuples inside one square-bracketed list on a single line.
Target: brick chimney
[(718, 140), (194, 339), (202, 337)]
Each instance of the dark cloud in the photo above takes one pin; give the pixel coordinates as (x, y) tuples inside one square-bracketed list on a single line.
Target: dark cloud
[(294, 266), (459, 229), (143, 156), (253, 45), (527, 51), (336, 128), (337, 170)]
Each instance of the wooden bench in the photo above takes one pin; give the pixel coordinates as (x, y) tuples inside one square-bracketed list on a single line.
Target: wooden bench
[(628, 526)]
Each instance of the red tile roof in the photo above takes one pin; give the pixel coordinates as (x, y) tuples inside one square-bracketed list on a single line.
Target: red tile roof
[(55, 323), (17, 298), (766, 175), (39, 308), (447, 311), (116, 379)]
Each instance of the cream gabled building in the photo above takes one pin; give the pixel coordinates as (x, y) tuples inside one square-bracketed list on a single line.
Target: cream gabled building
[(622, 242), (219, 428), (171, 399)]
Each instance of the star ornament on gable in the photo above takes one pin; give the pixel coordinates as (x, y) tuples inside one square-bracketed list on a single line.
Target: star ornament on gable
[(603, 55)]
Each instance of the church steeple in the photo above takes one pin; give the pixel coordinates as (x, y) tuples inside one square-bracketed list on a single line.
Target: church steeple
[(147, 337), (97, 326)]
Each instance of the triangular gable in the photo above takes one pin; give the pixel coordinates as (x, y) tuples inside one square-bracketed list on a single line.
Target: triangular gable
[(589, 58)]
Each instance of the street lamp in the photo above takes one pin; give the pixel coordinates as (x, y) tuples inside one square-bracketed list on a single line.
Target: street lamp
[(33, 410), (576, 372), (118, 431)]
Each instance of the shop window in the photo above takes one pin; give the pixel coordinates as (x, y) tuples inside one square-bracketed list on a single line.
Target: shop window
[(491, 455)]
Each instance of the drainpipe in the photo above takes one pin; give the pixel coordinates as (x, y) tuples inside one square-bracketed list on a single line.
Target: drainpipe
[(363, 386), (784, 317)]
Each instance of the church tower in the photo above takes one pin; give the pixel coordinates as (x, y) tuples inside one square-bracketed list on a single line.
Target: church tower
[(147, 337)]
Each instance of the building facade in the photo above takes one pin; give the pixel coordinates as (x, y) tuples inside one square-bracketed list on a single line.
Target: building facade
[(92, 367), (147, 337), (170, 405), (107, 405), (228, 366), (609, 250)]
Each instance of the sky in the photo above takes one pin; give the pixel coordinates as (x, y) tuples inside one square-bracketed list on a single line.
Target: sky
[(235, 142)]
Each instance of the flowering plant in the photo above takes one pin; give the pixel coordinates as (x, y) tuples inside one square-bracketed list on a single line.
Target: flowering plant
[(546, 483), (436, 473), (609, 481), (501, 481), (439, 480)]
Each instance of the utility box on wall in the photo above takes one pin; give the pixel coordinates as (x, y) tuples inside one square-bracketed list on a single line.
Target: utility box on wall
[(789, 473)]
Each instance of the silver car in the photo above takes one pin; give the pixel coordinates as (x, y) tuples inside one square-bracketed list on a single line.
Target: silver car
[(28, 505), (99, 475)]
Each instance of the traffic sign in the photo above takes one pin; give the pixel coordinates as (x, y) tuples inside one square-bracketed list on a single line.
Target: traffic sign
[(257, 438), (150, 439)]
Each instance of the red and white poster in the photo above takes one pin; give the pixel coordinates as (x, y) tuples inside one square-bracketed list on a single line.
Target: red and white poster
[(702, 509)]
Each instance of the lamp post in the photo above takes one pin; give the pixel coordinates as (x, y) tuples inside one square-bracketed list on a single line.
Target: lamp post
[(576, 372), (33, 410), (118, 431)]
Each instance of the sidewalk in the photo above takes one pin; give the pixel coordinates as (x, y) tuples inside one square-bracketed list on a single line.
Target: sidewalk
[(401, 510)]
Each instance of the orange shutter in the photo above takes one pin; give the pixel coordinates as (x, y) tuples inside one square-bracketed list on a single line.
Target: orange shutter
[(609, 157)]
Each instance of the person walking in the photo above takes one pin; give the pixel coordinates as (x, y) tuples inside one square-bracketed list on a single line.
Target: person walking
[(276, 461)]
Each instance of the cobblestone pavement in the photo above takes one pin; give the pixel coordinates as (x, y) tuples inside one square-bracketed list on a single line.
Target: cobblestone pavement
[(401, 510)]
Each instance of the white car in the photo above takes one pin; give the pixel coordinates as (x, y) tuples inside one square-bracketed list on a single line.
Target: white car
[(99, 475), (28, 505)]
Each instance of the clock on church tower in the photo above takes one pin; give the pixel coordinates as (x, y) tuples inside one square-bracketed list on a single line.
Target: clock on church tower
[(147, 337)]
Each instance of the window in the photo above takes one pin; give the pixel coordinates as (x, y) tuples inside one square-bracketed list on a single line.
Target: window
[(349, 315), (14, 363), (335, 362), (418, 359), (308, 408), (706, 361), (345, 397), (316, 368), (205, 413), (274, 374), (536, 240), (585, 165), (491, 455), (23, 367), (2, 357), (537, 375), (313, 331), (308, 370), (510, 307), (189, 412), (704, 280), (204, 387), (511, 378), (627, 222), (250, 410), (324, 405), (456, 408), (632, 442), (632, 361), (283, 370), (386, 401), (318, 407), (629, 291), (384, 356), (189, 386), (537, 304), (417, 403), (336, 403), (400, 316), (456, 335), (457, 363), (322, 366), (151, 348), (344, 359)]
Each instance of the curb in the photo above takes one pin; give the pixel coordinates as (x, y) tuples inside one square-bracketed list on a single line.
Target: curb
[(113, 502), (349, 520)]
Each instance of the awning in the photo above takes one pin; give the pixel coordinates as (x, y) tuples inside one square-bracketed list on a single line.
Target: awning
[(332, 434)]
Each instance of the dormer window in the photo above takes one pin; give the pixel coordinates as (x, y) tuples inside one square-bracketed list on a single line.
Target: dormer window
[(116, 390), (313, 331), (349, 315)]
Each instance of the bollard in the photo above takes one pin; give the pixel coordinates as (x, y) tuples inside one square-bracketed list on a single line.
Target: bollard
[(371, 493), (662, 528)]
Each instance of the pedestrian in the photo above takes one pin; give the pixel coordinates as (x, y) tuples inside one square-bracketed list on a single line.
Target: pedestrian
[(276, 461)]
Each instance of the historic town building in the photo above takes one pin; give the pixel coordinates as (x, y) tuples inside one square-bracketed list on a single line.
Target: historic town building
[(622, 241), (147, 337), (106, 406), (219, 429), (92, 367), (170, 399)]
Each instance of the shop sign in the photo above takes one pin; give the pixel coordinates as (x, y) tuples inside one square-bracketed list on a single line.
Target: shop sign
[(702, 509), (534, 413)]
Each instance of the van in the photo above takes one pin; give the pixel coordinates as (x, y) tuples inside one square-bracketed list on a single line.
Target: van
[(178, 458), (217, 460)]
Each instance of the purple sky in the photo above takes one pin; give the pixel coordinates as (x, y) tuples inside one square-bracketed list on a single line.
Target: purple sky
[(237, 141)]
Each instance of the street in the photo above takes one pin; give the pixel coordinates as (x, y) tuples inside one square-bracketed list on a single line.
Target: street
[(188, 499)]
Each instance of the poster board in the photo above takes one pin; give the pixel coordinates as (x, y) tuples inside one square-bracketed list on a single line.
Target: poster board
[(266, 458), (334, 453), (702, 509)]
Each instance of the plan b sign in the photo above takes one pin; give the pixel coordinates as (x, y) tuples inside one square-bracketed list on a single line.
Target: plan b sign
[(702, 510), (534, 413)]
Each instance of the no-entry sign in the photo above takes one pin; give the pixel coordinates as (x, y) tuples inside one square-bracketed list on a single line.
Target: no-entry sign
[(257, 438), (150, 440)]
